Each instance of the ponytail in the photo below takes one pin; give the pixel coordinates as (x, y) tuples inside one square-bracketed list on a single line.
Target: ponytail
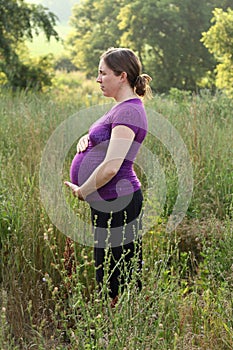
[(142, 87)]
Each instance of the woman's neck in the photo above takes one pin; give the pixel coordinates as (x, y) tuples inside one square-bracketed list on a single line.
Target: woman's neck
[(125, 97), (124, 94)]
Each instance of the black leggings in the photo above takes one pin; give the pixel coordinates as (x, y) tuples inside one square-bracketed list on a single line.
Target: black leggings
[(119, 231)]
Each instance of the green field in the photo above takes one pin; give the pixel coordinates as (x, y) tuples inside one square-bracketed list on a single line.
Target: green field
[(40, 46), (186, 302)]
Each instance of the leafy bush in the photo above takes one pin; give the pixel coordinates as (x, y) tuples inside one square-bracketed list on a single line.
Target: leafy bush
[(33, 74), (65, 64)]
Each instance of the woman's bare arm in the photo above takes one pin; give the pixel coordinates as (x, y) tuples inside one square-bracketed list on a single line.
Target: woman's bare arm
[(120, 142)]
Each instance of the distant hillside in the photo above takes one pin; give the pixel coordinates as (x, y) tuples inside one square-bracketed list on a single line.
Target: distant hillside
[(40, 46), (61, 8)]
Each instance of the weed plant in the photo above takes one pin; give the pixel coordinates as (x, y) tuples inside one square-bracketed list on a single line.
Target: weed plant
[(49, 302)]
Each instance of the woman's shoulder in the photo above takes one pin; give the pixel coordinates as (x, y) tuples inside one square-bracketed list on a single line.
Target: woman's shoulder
[(129, 107), (130, 113)]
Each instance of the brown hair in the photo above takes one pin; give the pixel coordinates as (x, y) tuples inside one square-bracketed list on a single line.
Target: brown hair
[(124, 60)]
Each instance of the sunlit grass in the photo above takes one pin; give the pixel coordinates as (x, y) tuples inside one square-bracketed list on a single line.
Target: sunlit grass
[(41, 46)]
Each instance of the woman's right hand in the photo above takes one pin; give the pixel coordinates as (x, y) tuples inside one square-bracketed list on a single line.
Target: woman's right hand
[(83, 143)]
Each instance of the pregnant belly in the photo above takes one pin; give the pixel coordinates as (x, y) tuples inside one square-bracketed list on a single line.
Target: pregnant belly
[(84, 164), (75, 166)]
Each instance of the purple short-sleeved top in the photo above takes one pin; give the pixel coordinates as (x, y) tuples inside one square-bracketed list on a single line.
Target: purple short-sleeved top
[(130, 113)]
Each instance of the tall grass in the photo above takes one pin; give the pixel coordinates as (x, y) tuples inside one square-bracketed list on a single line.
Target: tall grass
[(205, 124), (186, 300)]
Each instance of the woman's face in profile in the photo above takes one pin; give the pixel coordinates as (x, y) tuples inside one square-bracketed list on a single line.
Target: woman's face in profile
[(110, 83)]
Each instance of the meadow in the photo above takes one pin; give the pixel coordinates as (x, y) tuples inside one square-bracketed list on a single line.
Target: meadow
[(40, 46), (48, 294)]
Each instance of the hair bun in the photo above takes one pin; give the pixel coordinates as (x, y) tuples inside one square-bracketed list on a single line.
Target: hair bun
[(142, 87)]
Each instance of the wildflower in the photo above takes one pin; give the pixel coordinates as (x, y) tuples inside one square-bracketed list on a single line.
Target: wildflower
[(45, 278), (55, 290)]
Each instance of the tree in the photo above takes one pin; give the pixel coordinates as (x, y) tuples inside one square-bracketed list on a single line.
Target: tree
[(20, 21), (219, 41), (95, 30), (168, 36), (165, 34)]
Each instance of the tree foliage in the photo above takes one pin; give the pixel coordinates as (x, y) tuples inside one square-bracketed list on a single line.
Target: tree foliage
[(20, 21), (95, 29), (166, 35), (219, 40), (170, 40)]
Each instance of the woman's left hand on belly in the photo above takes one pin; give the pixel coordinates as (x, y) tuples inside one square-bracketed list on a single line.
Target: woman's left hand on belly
[(83, 144)]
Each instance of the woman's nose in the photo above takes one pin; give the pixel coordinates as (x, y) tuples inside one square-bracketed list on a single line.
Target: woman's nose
[(98, 79)]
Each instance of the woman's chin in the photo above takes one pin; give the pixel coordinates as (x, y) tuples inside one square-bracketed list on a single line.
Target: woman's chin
[(105, 94)]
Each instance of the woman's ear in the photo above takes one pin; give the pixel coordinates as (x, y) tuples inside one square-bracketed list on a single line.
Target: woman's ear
[(123, 76)]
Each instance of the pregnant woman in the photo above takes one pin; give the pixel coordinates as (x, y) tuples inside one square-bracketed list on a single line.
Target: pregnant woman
[(102, 171)]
